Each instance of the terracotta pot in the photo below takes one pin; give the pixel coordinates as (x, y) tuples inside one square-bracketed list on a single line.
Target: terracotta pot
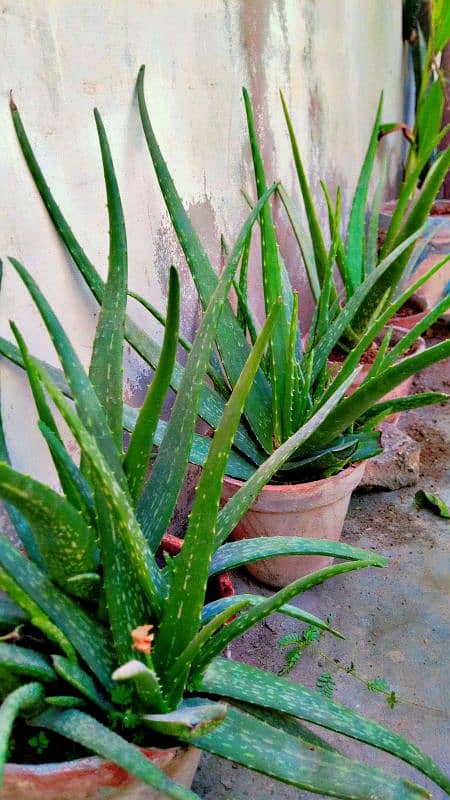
[(420, 307), (437, 248), (438, 219), (436, 287), (316, 509), (403, 389), (93, 778)]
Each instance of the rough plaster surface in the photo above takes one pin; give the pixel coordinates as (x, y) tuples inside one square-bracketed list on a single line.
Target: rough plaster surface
[(61, 58)]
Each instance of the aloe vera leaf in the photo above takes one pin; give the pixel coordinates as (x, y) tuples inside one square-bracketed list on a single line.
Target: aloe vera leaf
[(72, 481), (433, 503), (232, 344), (379, 359), (333, 224), (86, 400), (13, 354), (65, 701), (351, 408), (241, 682), (245, 313), (86, 585), (251, 742), (286, 287), (183, 662), (182, 611), (80, 680), (36, 615), (357, 221), (147, 684), (400, 404), (355, 354), (429, 116), (215, 375), (290, 370), (76, 487), (158, 499), (340, 450), (235, 554), (412, 335), (26, 662), (441, 25), (320, 251), (106, 367), (371, 259), (217, 606), (11, 615), (86, 635), (348, 314), (65, 542), (303, 240), (141, 442), (85, 730), (123, 542), (271, 275), (23, 529), (194, 717), (46, 417), (232, 512), (249, 618), (21, 699), (211, 404), (243, 284)]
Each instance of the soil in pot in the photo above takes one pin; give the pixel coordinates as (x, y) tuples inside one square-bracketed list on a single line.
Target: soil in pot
[(86, 777), (316, 509), (412, 312)]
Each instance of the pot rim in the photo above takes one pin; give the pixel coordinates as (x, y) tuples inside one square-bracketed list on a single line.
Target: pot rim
[(87, 762), (294, 487), (418, 301)]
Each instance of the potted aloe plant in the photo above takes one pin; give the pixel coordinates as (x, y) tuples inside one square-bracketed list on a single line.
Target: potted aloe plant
[(310, 493), (106, 650), (427, 29)]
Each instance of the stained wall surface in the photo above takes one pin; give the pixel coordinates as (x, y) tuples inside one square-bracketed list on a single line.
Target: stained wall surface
[(61, 58)]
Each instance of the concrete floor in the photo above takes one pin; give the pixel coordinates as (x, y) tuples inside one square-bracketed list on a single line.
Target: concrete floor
[(396, 621)]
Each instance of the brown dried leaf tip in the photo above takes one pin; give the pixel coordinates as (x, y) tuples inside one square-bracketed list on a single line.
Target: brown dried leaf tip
[(142, 638)]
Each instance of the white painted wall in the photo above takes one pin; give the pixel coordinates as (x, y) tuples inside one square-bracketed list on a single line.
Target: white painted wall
[(63, 57)]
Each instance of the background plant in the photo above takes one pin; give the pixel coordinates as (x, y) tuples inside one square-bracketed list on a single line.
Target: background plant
[(103, 646), (358, 254)]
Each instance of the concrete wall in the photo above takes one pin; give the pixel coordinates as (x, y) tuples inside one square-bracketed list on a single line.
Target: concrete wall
[(63, 57)]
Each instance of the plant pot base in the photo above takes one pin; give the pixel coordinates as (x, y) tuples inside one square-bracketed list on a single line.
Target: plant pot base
[(314, 510)]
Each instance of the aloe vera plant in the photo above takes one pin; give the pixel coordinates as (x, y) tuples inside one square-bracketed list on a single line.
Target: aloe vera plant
[(110, 649), (296, 376)]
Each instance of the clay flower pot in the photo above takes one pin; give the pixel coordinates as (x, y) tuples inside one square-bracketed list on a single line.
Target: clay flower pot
[(94, 778), (403, 389), (316, 509), (438, 221), (417, 307), (439, 246)]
